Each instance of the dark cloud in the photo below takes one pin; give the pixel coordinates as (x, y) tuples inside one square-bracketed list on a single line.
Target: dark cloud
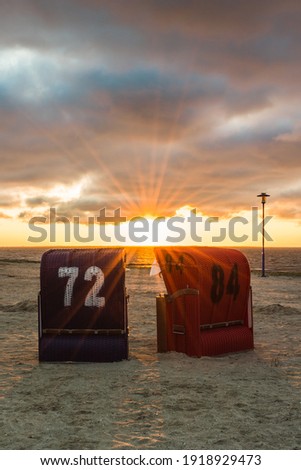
[(4, 216), (8, 199), (154, 105)]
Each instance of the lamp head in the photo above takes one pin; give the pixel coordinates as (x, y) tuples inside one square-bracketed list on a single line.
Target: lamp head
[(263, 197)]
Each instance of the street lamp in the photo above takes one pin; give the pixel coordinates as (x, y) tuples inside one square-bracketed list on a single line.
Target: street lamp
[(263, 201)]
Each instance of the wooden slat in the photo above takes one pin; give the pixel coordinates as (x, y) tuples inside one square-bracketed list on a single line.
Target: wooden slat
[(221, 325), (63, 331)]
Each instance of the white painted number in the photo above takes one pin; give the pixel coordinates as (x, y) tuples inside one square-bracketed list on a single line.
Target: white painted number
[(92, 299), (72, 273)]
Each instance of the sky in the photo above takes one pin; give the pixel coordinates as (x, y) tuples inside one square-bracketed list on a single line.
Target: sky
[(150, 106)]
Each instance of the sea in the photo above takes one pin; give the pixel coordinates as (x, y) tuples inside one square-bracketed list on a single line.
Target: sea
[(278, 261), (279, 291)]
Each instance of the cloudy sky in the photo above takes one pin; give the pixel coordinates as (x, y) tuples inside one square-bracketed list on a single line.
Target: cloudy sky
[(149, 105)]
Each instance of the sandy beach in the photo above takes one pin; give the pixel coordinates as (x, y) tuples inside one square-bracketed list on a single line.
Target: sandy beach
[(247, 400)]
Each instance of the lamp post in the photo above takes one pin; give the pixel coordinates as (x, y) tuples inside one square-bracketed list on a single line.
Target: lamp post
[(263, 201)]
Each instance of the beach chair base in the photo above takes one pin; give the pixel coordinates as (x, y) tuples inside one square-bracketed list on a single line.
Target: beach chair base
[(83, 348)]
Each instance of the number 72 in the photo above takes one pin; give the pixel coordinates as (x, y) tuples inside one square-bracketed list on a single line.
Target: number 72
[(92, 299)]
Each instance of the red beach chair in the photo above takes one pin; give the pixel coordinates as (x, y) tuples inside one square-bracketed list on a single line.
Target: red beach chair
[(208, 306)]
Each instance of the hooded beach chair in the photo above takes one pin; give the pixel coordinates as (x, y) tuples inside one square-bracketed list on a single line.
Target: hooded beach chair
[(208, 306), (83, 305)]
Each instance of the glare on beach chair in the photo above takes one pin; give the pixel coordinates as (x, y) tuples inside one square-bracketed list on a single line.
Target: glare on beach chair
[(83, 306), (208, 306)]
